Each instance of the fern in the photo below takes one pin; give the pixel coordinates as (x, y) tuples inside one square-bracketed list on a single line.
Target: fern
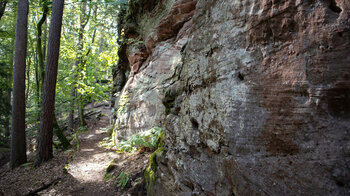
[(148, 139), (123, 179)]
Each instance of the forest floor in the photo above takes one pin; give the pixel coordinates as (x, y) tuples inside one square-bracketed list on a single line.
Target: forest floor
[(80, 170)]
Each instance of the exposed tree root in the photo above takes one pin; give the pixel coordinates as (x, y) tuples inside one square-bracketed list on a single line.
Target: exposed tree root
[(43, 187)]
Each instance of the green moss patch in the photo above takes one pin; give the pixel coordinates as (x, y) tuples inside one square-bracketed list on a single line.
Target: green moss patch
[(150, 172), (169, 100)]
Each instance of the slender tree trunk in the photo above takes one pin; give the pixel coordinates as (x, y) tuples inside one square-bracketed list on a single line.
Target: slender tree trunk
[(28, 77), (58, 132), (44, 146), (84, 19), (18, 141), (2, 7), (40, 70), (7, 120), (71, 113), (81, 63), (81, 113), (37, 82), (45, 40), (39, 43)]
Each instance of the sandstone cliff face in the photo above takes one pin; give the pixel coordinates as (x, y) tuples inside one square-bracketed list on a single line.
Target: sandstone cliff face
[(254, 96)]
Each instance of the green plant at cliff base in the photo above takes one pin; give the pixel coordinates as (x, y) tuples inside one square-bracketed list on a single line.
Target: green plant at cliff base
[(107, 142), (149, 139), (123, 179), (150, 172)]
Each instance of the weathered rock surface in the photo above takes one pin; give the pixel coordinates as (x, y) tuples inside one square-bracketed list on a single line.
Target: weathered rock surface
[(155, 67), (254, 96)]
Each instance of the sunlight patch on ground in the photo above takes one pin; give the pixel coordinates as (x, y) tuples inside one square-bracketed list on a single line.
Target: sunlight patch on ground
[(91, 168), (87, 150), (89, 136)]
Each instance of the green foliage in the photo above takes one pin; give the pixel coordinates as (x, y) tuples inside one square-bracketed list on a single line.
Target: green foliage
[(63, 142), (107, 142), (4, 141), (109, 171), (72, 156), (135, 7), (81, 129), (107, 177), (77, 143), (4, 150), (150, 172), (169, 100), (123, 179), (149, 139), (98, 53), (7, 37), (28, 164), (68, 151)]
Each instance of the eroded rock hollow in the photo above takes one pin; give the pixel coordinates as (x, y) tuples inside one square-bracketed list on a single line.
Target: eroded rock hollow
[(253, 95)]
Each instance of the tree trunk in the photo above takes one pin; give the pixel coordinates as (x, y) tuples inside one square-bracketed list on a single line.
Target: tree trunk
[(27, 92), (58, 132), (2, 7), (84, 19), (39, 43), (71, 113), (45, 40), (7, 120), (44, 146), (81, 114), (37, 82), (18, 141)]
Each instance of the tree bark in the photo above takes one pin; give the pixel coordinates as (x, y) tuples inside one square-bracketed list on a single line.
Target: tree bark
[(58, 132), (44, 146), (27, 92), (37, 82), (71, 113), (81, 113), (2, 7), (7, 120), (39, 42), (84, 19), (18, 141), (45, 40)]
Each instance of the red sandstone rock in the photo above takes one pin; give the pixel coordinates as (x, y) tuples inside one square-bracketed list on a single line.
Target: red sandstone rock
[(255, 94), (136, 59), (168, 27)]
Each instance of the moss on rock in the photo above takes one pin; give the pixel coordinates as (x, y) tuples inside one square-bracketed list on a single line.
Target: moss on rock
[(150, 172)]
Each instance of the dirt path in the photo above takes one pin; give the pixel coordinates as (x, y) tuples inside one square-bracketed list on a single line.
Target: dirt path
[(83, 175), (86, 171)]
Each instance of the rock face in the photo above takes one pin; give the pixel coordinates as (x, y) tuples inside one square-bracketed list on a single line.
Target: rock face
[(254, 96)]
